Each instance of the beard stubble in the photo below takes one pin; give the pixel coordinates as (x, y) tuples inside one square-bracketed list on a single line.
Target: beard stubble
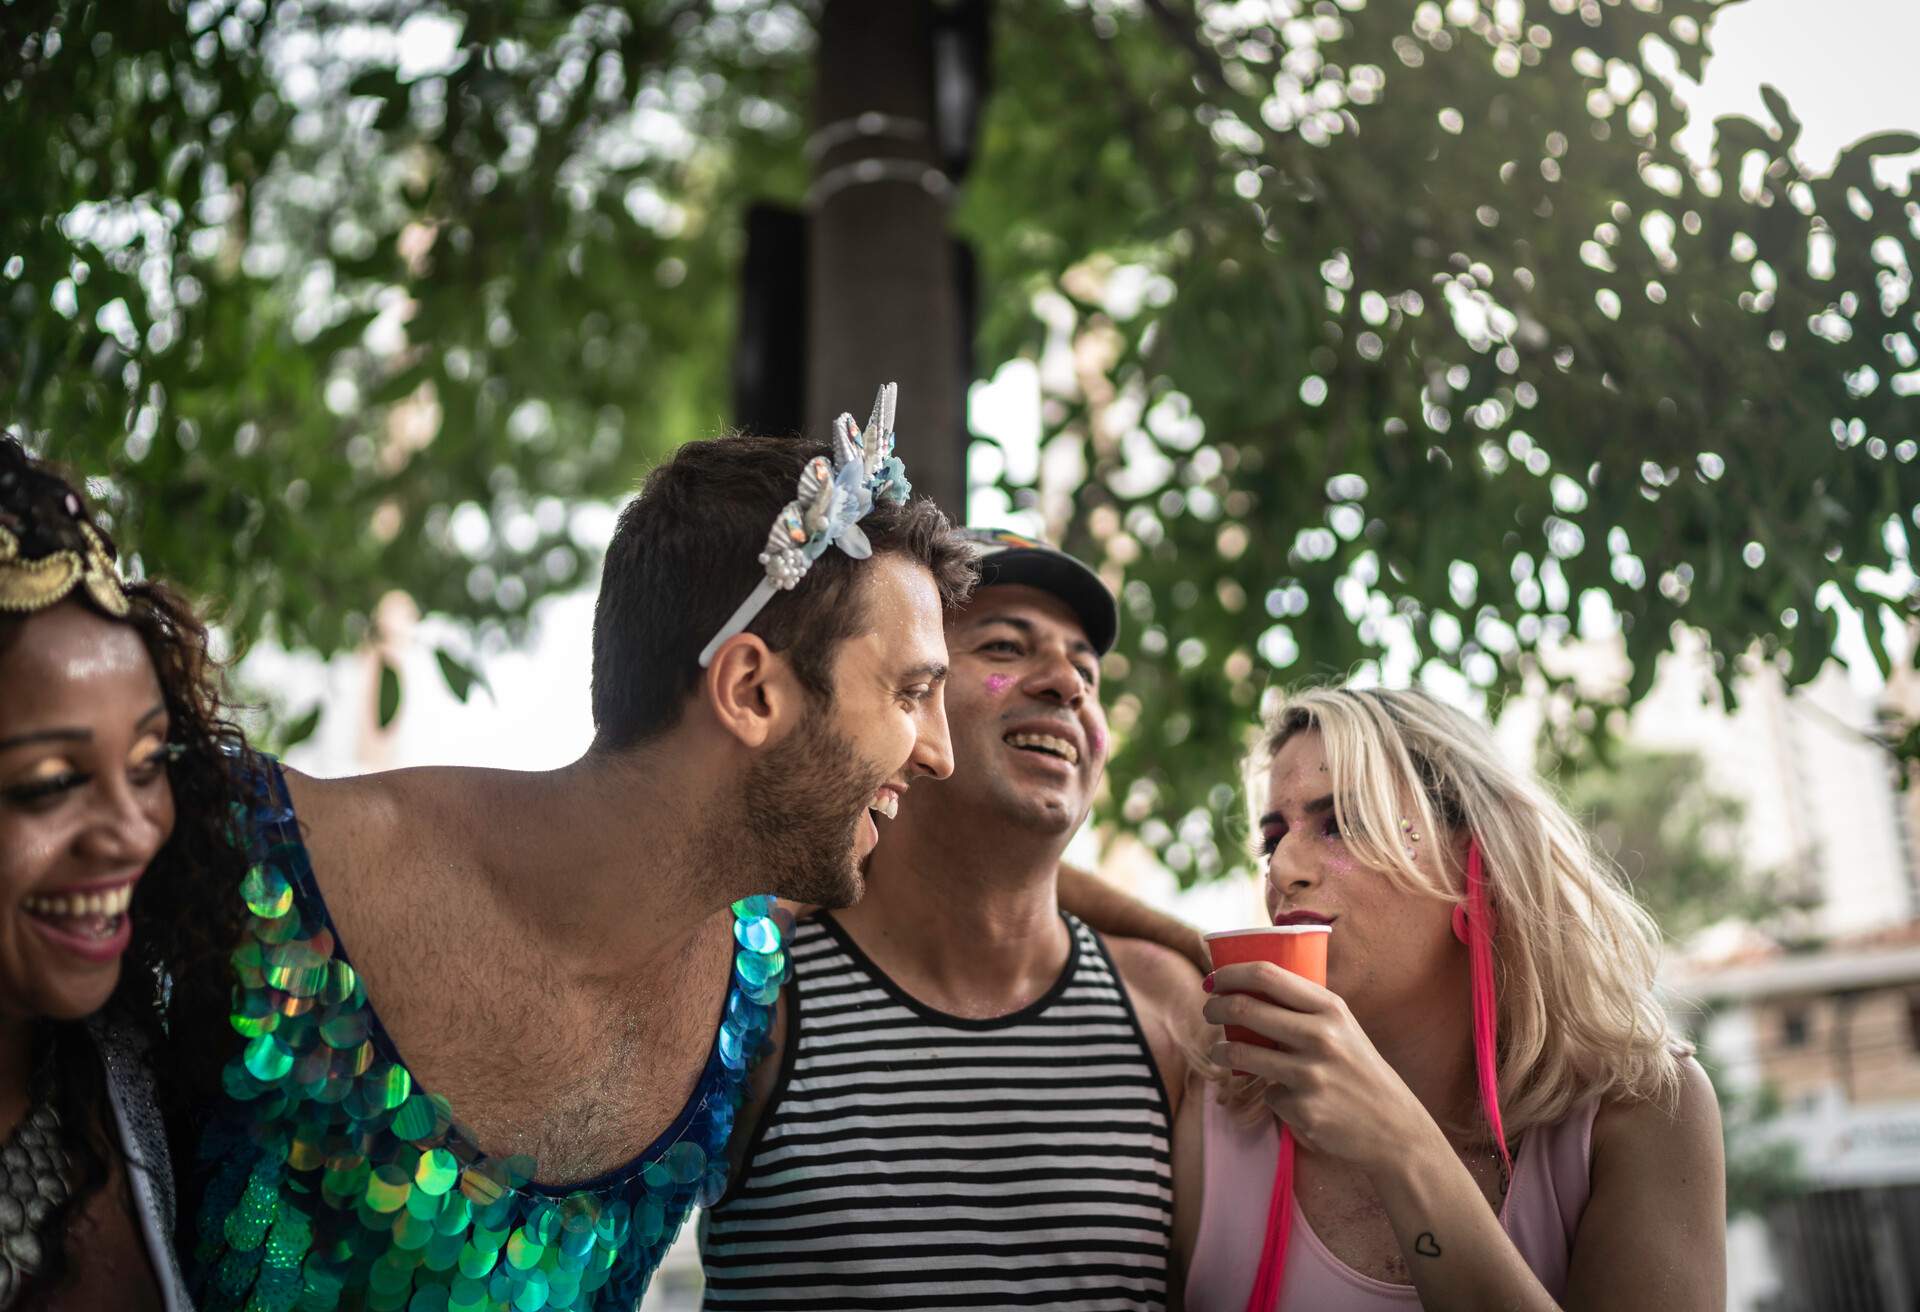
[(804, 800)]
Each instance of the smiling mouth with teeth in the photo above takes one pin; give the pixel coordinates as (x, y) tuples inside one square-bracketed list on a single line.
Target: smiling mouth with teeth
[(87, 915), (1045, 743)]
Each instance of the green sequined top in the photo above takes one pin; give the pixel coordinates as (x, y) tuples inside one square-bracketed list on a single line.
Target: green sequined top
[(328, 1178)]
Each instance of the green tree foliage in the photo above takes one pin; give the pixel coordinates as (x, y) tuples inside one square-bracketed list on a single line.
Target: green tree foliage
[(1391, 322), (1441, 334), (1677, 840), (330, 325)]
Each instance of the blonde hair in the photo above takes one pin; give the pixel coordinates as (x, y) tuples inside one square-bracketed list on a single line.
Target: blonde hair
[(1574, 954)]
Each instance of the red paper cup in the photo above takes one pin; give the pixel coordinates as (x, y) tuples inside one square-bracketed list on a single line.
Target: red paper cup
[(1301, 949)]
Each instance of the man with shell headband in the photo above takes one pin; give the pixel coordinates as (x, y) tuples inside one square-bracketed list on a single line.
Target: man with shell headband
[(478, 1062)]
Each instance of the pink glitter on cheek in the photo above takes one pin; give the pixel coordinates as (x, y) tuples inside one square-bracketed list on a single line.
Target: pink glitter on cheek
[(1096, 742), (999, 683)]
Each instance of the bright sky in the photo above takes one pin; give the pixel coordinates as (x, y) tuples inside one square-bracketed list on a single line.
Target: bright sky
[(1844, 75), (1843, 65)]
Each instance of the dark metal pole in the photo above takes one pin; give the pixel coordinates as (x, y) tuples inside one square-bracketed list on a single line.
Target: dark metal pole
[(882, 297)]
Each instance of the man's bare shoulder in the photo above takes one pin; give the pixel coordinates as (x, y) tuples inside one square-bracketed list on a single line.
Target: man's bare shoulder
[(343, 817), (394, 839), (387, 811)]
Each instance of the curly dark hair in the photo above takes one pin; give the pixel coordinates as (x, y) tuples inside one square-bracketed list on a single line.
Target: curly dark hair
[(174, 986)]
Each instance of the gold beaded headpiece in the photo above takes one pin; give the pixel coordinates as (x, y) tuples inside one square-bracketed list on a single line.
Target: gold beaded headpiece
[(30, 585)]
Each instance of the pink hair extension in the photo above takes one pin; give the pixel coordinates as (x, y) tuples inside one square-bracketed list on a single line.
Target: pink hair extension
[(1273, 1254), (1485, 1012)]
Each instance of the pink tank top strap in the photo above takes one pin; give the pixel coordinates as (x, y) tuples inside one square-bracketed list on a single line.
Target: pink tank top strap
[(1240, 1161), (1551, 1183)]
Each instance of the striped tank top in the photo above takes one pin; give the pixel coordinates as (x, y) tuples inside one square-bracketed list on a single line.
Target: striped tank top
[(912, 1159)]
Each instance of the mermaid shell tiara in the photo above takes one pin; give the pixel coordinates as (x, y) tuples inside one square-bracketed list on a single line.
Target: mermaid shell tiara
[(832, 498)]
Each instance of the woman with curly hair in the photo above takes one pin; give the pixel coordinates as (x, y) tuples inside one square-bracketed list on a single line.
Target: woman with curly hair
[(1485, 1106), (117, 787)]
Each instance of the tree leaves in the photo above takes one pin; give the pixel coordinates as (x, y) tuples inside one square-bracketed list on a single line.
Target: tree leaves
[(389, 693), (381, 329), (1777, 106), (460, 677), (1886, 143), (1459, 264), (298, 730)]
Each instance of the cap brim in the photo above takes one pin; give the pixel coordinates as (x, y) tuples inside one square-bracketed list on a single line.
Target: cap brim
[(1067, 579)]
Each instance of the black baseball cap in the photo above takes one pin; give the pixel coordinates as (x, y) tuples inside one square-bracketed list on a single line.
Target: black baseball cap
[(1006, 557)]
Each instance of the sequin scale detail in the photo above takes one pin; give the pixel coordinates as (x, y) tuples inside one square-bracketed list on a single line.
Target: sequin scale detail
[(330, 1180)]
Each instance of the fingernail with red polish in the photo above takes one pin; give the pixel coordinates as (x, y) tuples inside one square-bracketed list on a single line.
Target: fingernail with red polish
[(1207, 983)]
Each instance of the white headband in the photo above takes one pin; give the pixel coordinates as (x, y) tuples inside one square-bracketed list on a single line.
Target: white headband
[(827, 509)]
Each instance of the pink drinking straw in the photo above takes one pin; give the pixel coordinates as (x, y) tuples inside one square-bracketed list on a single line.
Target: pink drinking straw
[(1479, 940)]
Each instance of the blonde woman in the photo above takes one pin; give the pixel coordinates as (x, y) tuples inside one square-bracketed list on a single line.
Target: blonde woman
[(1485, 1107)]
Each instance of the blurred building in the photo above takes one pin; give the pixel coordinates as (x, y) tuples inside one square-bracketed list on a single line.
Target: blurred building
[(1834, 1033), (1825, 1013)]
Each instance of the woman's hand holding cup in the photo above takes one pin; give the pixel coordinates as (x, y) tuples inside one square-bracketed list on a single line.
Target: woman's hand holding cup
[(1323, 1077)]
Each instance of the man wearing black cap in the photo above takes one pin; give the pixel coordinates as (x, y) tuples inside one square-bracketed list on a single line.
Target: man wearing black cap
[(973, 1094)]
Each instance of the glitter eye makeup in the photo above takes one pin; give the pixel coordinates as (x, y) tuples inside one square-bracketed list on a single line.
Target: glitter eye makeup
[(1338, 855)]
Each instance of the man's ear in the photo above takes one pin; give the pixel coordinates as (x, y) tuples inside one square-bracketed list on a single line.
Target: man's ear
[(752, 691)]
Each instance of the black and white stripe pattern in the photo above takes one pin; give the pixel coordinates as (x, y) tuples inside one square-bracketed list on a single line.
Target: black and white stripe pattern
[(917, 1160)]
